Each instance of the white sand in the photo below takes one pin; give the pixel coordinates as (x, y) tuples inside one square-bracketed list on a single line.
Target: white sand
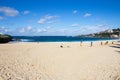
[(47, 61)]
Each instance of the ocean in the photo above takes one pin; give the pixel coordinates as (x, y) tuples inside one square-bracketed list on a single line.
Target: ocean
[(57, 39)]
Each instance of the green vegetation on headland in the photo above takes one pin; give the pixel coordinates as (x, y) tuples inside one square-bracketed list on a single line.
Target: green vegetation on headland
[(5, 38), (114, 33)]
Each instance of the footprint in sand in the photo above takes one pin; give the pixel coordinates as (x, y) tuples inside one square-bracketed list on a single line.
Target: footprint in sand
[(7, 74)]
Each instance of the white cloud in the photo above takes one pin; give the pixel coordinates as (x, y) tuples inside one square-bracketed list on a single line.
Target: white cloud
[(27, 29), (75, 11), (46, 18), (41, 30), (41, 21), (75, 25), (87, 15), (4, 30), (22, 30), (30, 30), (33, 30), (62, 30), (87, 29), (50, 22), (94, 28), (1, 18), (46, 29), (38, 30), (26, 12), (8, 11)]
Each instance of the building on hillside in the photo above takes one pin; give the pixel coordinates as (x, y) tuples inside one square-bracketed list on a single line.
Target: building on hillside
[(114, 36), (108, 31)]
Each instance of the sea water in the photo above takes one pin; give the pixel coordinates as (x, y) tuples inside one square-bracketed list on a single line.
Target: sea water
[(58, 39)]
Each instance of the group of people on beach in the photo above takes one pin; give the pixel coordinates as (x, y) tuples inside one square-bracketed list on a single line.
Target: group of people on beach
[(91, 43)]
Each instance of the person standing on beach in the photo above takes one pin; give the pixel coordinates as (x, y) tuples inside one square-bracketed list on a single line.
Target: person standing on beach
[(112, 42), (81, 43), (91, 44), (101, 43)]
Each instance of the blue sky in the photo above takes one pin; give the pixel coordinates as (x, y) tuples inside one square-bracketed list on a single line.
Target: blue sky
[(53, 17)]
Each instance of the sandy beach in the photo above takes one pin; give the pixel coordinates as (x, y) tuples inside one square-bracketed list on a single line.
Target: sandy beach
[(47, 61)]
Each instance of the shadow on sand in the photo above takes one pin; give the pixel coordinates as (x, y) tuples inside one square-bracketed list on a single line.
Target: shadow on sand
[(116, 46), (118, 51)]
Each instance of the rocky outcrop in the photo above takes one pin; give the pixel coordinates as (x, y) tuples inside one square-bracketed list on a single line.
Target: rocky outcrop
[(5, 38)]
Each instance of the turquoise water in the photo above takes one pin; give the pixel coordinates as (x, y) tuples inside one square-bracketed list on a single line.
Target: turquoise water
[(57, 39)]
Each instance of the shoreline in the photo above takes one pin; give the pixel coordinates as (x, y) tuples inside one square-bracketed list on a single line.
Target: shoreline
[(60, 39), (98, 41)]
